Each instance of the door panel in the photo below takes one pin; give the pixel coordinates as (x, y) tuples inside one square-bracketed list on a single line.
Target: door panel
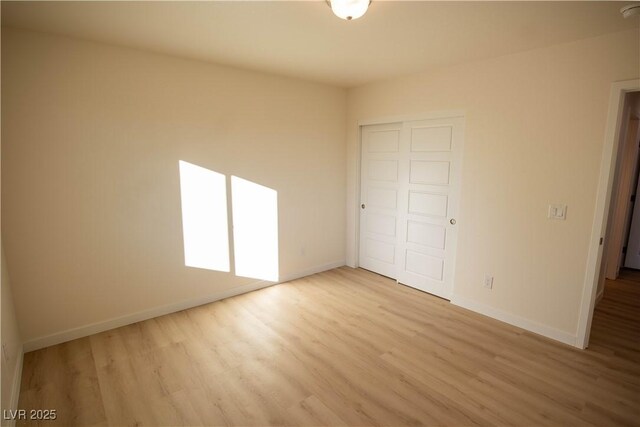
[(382, 224), (428, 201), (383, 170), (428, 235), (384, 198), (424, 265), (435, 138), (429, 172), (379, 195), (381, 251), (422, 203), (385, 141)]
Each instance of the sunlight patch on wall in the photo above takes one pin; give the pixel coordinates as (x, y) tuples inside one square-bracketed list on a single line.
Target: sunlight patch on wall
[(204, 217), (255, 229)]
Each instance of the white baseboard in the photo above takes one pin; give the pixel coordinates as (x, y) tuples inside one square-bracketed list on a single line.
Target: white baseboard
[(15, 387), (310, 271), (512, 319), (94, 328), (599, 296)]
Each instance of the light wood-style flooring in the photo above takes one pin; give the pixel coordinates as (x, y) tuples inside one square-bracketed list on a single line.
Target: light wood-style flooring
[(344, 347)]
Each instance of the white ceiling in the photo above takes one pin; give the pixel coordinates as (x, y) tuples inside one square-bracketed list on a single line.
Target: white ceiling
[(304, 39)]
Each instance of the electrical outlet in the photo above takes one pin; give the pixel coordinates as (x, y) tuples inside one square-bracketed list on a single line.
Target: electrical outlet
[(488, 281)]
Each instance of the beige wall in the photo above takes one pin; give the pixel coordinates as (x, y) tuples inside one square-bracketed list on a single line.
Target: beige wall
[(534, 136), (92, 135), (12, 341)]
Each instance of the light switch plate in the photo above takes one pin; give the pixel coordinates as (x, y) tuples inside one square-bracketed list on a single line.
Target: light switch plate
[(557, 212), (488, 281)]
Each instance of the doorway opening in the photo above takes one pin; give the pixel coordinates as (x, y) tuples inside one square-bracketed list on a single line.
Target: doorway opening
[(622, 238), (614, 206)]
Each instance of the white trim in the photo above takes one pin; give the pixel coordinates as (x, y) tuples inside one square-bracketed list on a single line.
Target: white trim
[(105, 325), (603, 200), (599, 296), (512, 319), (411, 118), (15, 387), (313, 270)]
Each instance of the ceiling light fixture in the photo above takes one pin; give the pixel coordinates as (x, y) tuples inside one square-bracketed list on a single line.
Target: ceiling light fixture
[(630, 10), (349, 9)]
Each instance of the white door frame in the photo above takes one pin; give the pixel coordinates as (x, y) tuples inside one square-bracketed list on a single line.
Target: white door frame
[(381, 121), (603, 201)]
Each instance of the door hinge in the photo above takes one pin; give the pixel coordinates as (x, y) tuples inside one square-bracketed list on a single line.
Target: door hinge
[(601, 240)]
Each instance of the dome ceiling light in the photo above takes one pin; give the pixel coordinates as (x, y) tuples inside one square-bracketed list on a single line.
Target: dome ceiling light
[(630, 10), (349, 9)]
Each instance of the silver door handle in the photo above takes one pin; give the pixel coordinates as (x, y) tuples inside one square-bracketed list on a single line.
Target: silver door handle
[(452, 221), (362, 206)]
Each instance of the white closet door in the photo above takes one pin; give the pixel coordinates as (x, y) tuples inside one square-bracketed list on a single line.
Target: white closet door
[(379, 198), (431, 152), (410, 183)]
